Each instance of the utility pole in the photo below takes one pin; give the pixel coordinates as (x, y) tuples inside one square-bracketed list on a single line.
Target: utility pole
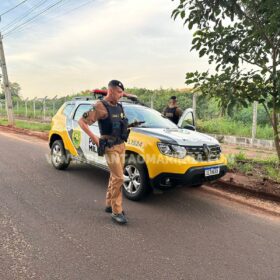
[(6, 84)]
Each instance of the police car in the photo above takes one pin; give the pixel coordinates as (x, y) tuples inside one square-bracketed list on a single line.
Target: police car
[(159, 154)]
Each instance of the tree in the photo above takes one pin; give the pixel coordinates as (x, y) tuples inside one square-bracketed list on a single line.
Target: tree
[(15, 91), (241, 38)]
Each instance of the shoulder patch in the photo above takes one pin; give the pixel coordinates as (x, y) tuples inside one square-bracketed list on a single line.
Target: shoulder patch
[(86, 114)]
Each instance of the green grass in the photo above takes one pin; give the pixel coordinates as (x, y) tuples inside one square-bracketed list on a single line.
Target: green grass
[(28, 125), (230, 127), (268, 168)]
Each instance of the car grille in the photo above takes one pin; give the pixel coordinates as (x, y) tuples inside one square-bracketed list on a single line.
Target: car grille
[(200, 154)]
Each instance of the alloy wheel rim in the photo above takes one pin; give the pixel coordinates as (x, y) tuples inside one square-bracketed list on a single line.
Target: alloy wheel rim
[(132, 179), (57, 155)]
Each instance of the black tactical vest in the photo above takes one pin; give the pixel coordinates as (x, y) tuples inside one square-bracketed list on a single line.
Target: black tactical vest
[(115, 124), (170, 113)]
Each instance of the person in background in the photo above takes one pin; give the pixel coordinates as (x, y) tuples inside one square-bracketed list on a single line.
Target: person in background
[(172, 111)]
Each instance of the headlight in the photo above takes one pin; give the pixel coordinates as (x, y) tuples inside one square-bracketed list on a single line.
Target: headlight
[(172, 150)]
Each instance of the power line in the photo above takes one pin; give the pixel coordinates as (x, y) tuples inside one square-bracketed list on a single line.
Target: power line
[(11, 9), (27, 21), (55, 17), (23, 16), (76, 8)]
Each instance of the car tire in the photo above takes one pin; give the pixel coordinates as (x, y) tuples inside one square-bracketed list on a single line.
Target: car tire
[(136, 182), (59, 158)]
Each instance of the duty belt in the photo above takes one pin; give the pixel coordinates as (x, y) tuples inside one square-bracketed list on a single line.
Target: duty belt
[(111, 140)]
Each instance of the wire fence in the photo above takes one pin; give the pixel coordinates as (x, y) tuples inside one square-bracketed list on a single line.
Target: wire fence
[(240, 123), (39, 109)]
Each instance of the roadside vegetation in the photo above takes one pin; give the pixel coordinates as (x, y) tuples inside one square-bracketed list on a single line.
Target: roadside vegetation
[(212, 117), (227, 126), (263, 168), (35, 126)]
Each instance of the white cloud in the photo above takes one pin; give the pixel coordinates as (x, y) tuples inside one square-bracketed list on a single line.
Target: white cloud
[(134, 41)]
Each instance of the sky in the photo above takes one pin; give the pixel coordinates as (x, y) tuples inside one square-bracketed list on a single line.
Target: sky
[(71, 49)]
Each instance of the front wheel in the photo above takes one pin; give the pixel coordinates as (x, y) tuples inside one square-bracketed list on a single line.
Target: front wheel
[(136, 182), (58, 155)]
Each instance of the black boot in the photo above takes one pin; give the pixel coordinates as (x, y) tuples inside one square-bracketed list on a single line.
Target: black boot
[(108, 209), (119, 218)]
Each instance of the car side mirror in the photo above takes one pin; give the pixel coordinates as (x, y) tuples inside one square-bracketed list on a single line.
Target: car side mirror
[(190, 127)]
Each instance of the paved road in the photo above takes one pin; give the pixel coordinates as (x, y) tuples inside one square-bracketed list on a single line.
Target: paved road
[(52, 226)]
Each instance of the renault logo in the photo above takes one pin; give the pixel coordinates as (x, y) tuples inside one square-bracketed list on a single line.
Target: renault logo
[(206, 151)]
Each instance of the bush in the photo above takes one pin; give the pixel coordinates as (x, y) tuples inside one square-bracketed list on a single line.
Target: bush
[(225, 126)]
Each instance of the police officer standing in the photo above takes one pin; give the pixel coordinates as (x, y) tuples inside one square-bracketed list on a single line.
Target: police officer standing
[(113, 129), (172, 111)]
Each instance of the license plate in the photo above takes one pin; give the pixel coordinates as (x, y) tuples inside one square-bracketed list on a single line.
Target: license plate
[(211, 171)]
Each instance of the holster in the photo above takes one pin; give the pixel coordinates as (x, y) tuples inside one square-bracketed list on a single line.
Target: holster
[(101, 147)]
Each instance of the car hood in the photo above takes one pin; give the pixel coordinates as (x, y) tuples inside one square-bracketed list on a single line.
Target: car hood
[(178, 136)]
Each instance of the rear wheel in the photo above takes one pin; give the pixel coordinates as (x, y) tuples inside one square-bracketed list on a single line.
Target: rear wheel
[(59, 157), (136, 182)]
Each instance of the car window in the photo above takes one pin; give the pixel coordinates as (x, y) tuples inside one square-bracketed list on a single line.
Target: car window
[(152, 118), (188, 120), (81, 109), (68, 109)]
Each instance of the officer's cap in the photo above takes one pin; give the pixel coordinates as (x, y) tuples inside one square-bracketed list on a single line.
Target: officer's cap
[(116, 83)]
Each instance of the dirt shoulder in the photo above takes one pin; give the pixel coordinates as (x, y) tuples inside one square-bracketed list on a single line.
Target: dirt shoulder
[(249, 152), (251, 170), (249, 185), (38, 134)]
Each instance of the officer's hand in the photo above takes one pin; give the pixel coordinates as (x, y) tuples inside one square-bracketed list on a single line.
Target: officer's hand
[(95, 140)]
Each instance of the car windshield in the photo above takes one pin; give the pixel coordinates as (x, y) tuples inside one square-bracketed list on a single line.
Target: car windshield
[(150, 118)]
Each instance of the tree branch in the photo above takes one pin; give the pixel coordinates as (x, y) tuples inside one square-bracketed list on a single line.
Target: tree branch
[(268, 114), (256, 24), (254, 63)]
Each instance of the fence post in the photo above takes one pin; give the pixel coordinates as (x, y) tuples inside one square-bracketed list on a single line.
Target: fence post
[(194, 105), (44, 108), (34, 107), (254, 125), (1, 107), (54, 104), (152, 101), (26, 107)]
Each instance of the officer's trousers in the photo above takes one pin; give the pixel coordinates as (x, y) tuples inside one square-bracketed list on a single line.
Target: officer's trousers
[(115, 158)]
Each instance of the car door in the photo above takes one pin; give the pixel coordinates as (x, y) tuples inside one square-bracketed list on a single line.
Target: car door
[(88, 147), (187, 120)]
